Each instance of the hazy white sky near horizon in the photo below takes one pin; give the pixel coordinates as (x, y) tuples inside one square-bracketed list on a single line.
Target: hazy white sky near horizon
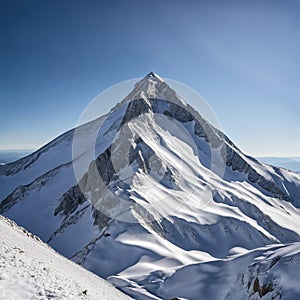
[(242, 57)]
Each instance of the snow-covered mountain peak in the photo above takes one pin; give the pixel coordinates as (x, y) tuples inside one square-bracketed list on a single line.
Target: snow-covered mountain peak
[(153, 196), (153, 86), (152, 74)]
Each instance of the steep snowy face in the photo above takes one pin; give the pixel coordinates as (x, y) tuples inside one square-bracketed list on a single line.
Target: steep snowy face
[(149, 192)]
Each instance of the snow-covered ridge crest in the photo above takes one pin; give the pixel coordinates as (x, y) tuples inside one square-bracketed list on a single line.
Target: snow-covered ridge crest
[(153, 87)]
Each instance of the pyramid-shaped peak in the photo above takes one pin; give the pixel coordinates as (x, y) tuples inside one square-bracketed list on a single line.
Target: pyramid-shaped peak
[(153, 86), (151, 74)]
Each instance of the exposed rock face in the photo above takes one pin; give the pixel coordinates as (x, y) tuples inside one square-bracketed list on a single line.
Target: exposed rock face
[(234, 160), (269, 186), (262, 290), (180, 113), (70, 201), (135, 108), (20, 192), (258, 284)]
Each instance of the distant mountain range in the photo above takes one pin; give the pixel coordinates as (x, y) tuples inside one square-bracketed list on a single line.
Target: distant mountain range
[(7, 156), (290, 163)]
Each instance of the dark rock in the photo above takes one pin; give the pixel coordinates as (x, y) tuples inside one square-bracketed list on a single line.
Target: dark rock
[(70, 201), (233, 159), (135, 108)]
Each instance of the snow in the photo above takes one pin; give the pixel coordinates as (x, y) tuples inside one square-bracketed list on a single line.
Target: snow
[(153, 87), (32, 270)]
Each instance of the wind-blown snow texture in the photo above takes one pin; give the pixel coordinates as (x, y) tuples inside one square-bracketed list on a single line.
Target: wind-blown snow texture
[(207, 221), (32, 270)]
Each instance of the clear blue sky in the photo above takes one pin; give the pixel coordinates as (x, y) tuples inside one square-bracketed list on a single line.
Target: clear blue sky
[(242, 56)]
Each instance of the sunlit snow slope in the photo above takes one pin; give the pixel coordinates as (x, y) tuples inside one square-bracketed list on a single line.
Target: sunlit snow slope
[(29, 269), (178, 210)]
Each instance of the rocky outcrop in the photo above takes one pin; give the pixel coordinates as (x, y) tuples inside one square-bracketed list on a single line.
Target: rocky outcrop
[(267, 185), (235, 161), (70, 201), (135, 108), (20, 192)]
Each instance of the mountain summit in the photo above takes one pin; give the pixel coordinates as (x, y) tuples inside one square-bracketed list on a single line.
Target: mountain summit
[(153, 87), (165, 207), (152, 74)]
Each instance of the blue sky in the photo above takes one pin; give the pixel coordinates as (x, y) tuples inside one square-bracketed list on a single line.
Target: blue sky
[(242, 56)]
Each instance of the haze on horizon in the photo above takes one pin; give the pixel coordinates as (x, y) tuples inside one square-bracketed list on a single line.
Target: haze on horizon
[(242, 57)]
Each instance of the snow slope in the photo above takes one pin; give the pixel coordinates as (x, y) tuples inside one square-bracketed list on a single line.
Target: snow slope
[(173, 201), (32, 270), (270, 272)]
